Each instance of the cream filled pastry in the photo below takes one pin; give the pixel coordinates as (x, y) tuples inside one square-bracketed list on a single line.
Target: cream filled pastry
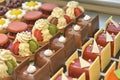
[(4, 24), (59, 18), (31, 5), (40, 31), (24, 44), (15, 14), (7, 63), (73, 9)]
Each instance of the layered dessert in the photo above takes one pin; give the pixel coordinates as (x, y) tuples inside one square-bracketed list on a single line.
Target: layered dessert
[(59, 18), (79, 32), (7, 64), (55, 57), (91, 50), (73, 9), (16, 27), (24, 46), (14, 3), (47, 8), (103, 38), (111, 26), (76, 66), (31, 5), (15, 14), (3, 25), (92, 23), (61, 41), (38, 70), (31, 17), (4, 41), (40, 31)]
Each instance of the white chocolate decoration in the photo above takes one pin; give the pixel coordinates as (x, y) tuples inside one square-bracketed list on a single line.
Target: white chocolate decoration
[(64, 77), (62, 39), (108, 37), (83, 63), (31, 69), (48, 52), (95, 48), (87, 17), (76, 27)]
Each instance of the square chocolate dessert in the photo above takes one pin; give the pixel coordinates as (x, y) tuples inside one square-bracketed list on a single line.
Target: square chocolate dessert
[(63, 41), (55, 57), (79, 32), (37, 71), (92, 23)]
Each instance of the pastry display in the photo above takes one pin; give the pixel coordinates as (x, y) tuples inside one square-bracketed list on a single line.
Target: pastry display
[(32, 16), (15, 27), (31, 5), (79, 32), (76, 66), (14, 3), (3, 10), (73, 9), (4, 41), (40, 31), (111, 26), (55, 57), (59, 18), (103, 37), (37, 71), (7, 64), (55, 42), (92, 23), (91, 50), (47, 8), (61, 41), (24, 46), (3, 25), (60, 75)]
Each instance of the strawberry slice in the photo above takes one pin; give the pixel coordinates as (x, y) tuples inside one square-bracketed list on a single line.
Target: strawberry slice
[(38, 35), (15, 48), (77, 11), (67, 18)]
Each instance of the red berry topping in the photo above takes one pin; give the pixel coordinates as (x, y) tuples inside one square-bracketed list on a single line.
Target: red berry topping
[(38, 35)]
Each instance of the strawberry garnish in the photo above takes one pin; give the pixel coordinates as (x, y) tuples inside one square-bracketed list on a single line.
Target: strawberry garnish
[(38, 34), (77, 11), (67, 18), (15, 47)]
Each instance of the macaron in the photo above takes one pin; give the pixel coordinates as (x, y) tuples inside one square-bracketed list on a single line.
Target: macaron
[(47, 8), (15, 27), (3, 39), (31, 17), (2, 2)]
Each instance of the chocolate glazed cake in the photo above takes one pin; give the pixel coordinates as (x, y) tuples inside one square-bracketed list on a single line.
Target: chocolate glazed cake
[(92, 23), (55, 43), (80, 34), (55, 57), (41, 73)]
